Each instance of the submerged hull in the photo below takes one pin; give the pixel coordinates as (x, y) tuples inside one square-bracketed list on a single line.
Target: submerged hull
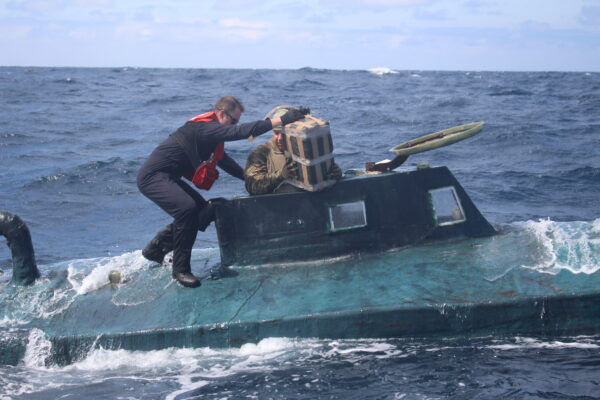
[(449, 285), (456, 291)]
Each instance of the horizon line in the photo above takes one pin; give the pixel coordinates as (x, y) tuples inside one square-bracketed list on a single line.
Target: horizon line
[(391, 70)]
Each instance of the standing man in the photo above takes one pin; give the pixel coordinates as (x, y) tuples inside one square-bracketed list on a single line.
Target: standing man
[(193, 151)]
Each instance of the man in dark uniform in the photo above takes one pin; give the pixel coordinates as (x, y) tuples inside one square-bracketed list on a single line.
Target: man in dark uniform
[(182, 153)]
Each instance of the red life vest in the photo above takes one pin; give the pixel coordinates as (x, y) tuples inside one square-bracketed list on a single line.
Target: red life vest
[(207, 172)]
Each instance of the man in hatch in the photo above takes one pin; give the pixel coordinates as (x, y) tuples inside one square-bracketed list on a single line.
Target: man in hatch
[(268, 167)]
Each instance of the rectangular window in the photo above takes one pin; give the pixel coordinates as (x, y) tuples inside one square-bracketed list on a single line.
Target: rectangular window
[(347, 216), (447, 209)]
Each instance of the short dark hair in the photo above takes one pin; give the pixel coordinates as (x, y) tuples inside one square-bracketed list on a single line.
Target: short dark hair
[(229, 104)]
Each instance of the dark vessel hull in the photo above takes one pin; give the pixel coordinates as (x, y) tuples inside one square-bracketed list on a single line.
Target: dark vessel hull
[(398, 209), (411, 256)]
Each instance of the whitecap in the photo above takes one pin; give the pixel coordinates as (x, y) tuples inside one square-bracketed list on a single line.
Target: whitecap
[(38, 349), (84, 281), (532, 343), (382, 71)]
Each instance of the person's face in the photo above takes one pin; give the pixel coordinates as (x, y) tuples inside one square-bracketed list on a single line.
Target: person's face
[(278, 138), (229, 118)]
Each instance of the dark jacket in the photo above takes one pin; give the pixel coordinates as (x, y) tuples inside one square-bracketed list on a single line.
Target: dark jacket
[(202, 138)]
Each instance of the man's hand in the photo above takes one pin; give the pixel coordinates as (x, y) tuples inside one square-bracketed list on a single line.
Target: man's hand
[(290, 170), (334, 172), (304, 110), (294, 115)]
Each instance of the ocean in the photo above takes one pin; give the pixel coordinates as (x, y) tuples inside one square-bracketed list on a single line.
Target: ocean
[(72, 140)]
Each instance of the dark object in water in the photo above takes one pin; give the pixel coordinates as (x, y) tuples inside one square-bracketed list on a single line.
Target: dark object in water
[(18, 238)]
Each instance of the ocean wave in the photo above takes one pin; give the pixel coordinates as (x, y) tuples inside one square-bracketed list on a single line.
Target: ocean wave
[(380, 71), (545, 184), (454, 102), (10, 139), (509, 92), (582, 175), (166, 100), (283, 367), (46, 298), (38, 349), (11, 135), (68, 80), (88, 275), (188, 368), (314, 70), (306, 84), (62, 283), (534, 343), (111, 170)]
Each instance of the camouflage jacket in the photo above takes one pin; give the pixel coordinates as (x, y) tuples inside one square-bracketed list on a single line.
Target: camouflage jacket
[(264, 170)]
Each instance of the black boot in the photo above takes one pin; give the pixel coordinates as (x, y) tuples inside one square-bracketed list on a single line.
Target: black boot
[(186, 279), (182, 270), (160, 245)]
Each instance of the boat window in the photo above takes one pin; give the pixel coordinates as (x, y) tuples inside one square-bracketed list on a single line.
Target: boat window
[(347, 216), (447, 209)]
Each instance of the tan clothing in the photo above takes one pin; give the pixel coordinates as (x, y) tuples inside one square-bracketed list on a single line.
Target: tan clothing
[(264, 169), (264, 172)]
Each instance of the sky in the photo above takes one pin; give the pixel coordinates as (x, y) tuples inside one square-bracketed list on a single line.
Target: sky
[(473, 35)]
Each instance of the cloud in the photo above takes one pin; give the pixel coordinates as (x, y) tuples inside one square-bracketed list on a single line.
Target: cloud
[(135, 30), (237, 30), (94, 3), (395, 40), (236, 23), (83, 34), (18, 32), (35, 6), (387, 3), (437, 15), (590, 16)]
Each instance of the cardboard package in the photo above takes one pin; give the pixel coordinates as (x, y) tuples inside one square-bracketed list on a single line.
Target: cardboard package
[(309, 143)]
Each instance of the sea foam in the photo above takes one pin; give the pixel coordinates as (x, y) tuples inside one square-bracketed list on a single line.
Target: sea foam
[(573, 246)]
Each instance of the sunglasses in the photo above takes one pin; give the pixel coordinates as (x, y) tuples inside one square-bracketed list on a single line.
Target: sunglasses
[(233, 120)]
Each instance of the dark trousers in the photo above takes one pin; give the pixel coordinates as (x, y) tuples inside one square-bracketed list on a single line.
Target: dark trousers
[(181, 202)]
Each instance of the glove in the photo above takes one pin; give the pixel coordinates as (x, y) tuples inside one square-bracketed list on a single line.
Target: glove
[(294, 115), (334, 172), (290, 170)]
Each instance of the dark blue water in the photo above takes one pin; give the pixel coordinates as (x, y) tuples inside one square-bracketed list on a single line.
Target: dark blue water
[(72, 140)]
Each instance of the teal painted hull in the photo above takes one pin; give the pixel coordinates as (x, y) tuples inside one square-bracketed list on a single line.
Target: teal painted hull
[(446, 286), (470, 288)]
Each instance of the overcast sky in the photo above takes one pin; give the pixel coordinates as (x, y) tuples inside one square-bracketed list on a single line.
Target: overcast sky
[(523, 35)]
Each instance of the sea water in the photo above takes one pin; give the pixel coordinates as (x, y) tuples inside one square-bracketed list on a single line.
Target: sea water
[(72, 140)]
